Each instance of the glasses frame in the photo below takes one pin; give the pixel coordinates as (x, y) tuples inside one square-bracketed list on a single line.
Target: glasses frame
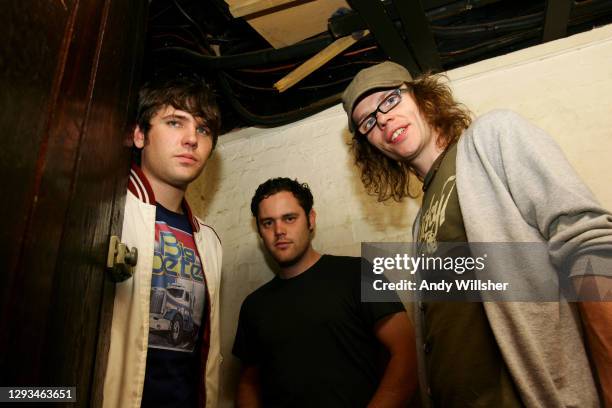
[(395, 92)]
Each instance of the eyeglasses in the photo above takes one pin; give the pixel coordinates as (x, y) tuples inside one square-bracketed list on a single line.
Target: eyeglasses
[(390, 102)]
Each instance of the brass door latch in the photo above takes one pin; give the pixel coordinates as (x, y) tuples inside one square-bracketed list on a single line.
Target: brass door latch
[(120, 260)]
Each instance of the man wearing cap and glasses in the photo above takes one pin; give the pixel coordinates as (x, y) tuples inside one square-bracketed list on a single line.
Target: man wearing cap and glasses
[(498, 178)]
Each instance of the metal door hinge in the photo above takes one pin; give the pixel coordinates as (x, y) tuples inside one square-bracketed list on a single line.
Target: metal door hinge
[(121, 260)]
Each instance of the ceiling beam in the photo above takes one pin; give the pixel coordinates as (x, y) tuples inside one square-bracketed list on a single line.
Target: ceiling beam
[(418, 34), (382, 28), (556, 19)]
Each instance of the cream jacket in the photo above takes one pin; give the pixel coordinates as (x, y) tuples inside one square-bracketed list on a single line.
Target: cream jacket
[(127, 356)]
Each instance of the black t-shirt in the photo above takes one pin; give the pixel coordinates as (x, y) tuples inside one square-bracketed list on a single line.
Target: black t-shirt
[(312, 337)]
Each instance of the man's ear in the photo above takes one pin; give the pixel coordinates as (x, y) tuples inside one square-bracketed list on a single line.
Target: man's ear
[(312, 218), (257, 226), (139, 137)]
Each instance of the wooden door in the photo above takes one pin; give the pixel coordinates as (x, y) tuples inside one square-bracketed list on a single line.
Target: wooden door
[(68, 76)]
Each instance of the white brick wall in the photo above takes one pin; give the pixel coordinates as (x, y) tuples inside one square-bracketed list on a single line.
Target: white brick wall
[(564, 87)]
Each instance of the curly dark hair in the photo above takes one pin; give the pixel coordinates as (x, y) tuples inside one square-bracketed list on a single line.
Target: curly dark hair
[(300, 191), (387, 178), (189, 93)]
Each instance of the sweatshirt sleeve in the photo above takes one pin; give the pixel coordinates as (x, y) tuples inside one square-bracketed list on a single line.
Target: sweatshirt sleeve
[(547, 192)]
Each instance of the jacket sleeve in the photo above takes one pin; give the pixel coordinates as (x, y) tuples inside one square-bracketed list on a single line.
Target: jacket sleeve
[(548, 193)]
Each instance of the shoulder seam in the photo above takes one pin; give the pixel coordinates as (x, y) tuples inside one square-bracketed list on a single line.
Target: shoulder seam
[(212, 229)]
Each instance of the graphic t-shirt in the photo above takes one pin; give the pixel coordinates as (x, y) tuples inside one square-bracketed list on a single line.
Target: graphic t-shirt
[(464, 365), (176, 315)]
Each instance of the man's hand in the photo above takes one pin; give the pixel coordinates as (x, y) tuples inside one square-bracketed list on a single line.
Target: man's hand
[(399, 381), (597, 320), (249, 391)]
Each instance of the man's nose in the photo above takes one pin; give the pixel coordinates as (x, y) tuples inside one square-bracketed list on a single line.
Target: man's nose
[(382, 118), (190, 137), (279, 229)]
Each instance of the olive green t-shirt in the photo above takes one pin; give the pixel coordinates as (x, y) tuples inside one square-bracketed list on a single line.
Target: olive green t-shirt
[(464, 365)]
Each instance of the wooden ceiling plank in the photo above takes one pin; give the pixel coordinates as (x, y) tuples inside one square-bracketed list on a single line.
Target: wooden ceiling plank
[(317, 61), (284, 26), (244, 8)]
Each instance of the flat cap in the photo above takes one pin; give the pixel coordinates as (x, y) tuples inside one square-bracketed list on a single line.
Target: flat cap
[(380, 76)]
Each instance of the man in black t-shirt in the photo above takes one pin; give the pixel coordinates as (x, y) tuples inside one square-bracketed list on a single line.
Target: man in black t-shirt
[(305, 338)]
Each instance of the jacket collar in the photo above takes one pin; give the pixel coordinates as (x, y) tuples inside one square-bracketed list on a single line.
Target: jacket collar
[(140, 187)]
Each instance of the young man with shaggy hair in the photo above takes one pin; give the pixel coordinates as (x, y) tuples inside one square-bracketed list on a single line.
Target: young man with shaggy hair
[(497, 178), (164, 348)]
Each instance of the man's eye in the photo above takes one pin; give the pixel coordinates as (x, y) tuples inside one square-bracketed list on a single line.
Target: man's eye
[(203, 130), (266, 224), (369, 123), (173, 123), (391, 101), (290, 218)]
